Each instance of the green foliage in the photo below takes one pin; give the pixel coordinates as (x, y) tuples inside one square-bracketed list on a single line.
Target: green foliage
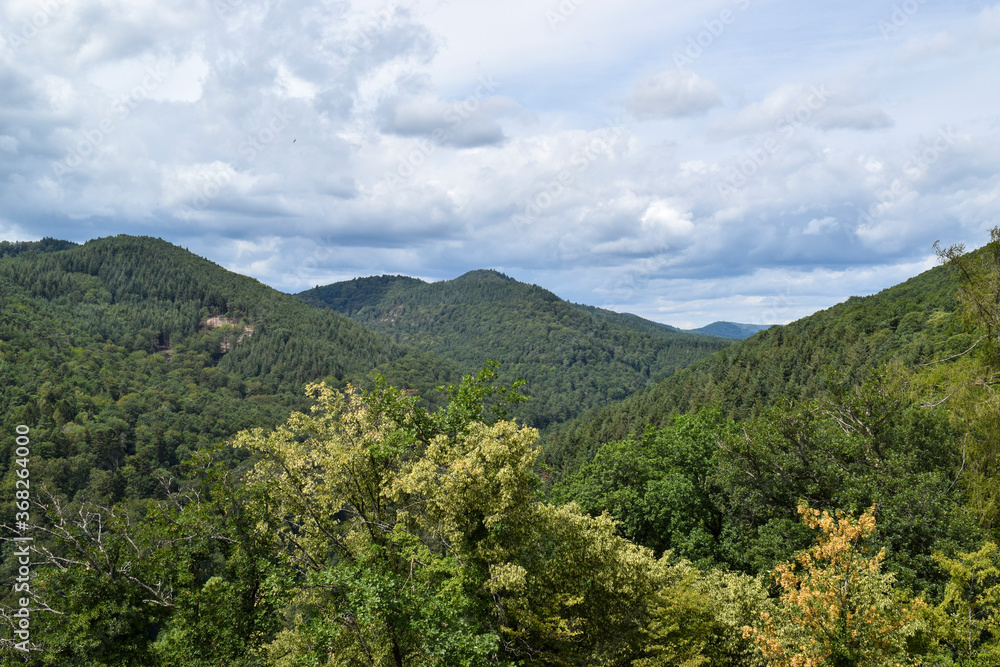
[(126, 355), (979, 286), (870, 444), (437, 551), (573, 357), (659, 487), (698, 618), (373, 585), (184, 581), (736, 600), (716, 491), (911, 322), (682, 623), (382, 528), (966, 382), (969, 616), (47, 244), (574, 593)]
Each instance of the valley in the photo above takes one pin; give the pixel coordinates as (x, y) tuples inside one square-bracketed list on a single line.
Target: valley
[(236, 444)]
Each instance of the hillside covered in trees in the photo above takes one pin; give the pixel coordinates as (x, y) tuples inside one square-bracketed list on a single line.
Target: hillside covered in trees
[(911, 322), (733, 330), (128, 354), (821, 494), (573, 357)]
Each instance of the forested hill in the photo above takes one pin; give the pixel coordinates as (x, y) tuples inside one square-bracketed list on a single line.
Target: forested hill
[(733, 330), (912, 322), (125, 354), (573, 357), (48, 244), (148, 295)]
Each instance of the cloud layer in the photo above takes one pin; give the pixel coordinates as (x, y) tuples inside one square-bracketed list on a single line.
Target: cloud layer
[(688, 162)]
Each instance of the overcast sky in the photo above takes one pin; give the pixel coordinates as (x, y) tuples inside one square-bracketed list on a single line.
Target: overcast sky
[(687, 161)]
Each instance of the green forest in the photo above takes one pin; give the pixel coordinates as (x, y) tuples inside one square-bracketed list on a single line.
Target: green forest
[(572, 357), (387, 472)]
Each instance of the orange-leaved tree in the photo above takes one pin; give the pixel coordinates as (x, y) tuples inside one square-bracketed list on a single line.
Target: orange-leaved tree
[(837, 607)]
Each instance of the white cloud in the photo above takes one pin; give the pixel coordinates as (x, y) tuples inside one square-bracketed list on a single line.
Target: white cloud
[(662, 216), (989, 25), (766, 296), (184, 81), (161, 79), (462, 123), (791, 107), (673, 94), (274, 131), (857, 117), (818, 226), (928, 47), (293, 86), (765, 114), (12, 232)]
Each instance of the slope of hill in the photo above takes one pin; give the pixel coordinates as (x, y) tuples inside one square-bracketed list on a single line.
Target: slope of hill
[(573, 357), (126, 353), (912, 321), (628, 320), (734, 330)]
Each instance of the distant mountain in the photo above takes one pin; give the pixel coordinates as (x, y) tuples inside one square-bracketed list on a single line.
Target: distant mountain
[(912, 322), (48, 244), (352, 296), (733, 330), (126, 354), (574, 357)]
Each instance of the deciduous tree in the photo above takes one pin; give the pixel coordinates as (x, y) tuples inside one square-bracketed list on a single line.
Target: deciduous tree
[(837, 607)]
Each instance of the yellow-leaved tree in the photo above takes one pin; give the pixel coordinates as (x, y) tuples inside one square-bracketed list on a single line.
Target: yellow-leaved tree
[(414, 538), (837, 607)]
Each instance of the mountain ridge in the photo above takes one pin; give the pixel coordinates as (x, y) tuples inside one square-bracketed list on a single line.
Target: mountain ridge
[(574, 356), (734, 330), (911, 321), (126, 354)]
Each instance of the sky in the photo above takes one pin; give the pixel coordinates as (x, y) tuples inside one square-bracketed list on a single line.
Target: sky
[(686, 161)]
